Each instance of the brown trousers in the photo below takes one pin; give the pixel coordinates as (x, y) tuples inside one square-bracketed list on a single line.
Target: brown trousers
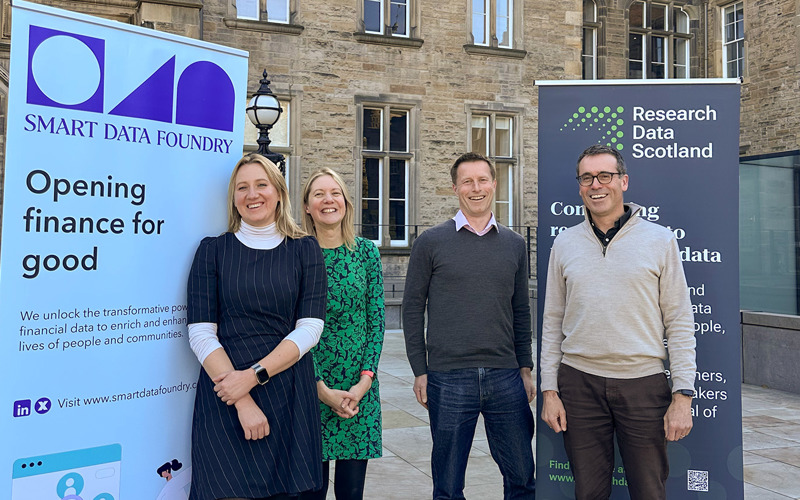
[(633, 409)]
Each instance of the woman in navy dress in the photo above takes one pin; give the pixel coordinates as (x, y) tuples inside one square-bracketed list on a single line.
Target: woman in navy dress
[(256, 305)]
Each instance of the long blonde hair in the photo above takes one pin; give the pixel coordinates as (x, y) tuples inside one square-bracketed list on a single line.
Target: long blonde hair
[(283, 218), (348, 230)]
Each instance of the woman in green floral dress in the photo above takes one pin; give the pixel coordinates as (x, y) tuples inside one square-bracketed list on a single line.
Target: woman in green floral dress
[(346, 358)]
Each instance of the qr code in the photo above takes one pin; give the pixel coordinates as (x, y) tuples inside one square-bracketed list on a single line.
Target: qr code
[(698, 480)]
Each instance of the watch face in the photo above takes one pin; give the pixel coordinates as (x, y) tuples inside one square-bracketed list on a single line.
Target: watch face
[(261, 375)]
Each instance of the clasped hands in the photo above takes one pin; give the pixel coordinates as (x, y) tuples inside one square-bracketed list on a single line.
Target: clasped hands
[(344, 403), (233, 388)]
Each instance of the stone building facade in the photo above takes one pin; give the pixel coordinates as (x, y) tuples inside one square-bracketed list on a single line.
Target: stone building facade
[(389, 92)]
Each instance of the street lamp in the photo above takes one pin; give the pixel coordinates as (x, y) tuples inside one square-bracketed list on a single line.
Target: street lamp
[(264, 111)]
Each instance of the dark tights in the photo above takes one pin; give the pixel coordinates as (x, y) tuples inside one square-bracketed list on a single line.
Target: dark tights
[(348, 481)]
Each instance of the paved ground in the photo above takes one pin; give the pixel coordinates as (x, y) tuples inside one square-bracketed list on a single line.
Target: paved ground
[(771, 436)]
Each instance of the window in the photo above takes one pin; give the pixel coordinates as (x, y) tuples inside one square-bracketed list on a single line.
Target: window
[(494, 134), (493, 23), (656, 33), (274, 11), (769, 243), (386, 17), (386, 171), (589, 48), (733, 40)]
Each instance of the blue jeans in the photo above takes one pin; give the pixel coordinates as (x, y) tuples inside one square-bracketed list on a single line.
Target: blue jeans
[(455, 399)]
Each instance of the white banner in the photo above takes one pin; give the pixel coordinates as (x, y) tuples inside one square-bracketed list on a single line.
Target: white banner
[(120, 143)]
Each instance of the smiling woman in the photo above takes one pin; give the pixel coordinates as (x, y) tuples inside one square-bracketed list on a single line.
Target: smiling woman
[(256, 303)]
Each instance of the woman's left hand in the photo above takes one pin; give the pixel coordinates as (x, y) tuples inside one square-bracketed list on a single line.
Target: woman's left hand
[(234, 385)]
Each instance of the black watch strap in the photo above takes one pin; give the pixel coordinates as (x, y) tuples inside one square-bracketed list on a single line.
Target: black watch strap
[(685, 392)]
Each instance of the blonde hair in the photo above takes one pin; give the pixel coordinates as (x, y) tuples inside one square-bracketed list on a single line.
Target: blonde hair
[(283, 211), (348, 230)]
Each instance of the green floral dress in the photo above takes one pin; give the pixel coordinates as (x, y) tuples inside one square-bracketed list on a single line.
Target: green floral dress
[(352, 342)]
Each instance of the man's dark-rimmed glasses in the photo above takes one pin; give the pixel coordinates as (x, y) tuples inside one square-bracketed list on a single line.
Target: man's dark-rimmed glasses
[(602, 178)]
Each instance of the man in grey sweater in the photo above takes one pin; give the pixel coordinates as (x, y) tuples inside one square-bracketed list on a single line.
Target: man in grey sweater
[(471, 274), (615, 291)]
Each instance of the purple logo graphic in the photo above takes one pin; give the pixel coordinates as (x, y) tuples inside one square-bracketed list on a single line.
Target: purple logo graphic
[(42, 406), (65, 70), (22, 408), (68, 70)]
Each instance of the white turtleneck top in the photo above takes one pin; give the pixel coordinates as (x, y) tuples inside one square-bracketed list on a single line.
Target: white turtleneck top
[(203, 336)]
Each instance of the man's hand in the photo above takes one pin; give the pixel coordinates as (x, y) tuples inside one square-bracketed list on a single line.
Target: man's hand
[(421, 390), (553, 412), (233, 386), (253, 420), (678, 419), (527, 381)]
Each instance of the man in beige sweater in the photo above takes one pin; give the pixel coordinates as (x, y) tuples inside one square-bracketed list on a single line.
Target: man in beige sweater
[(615, 291)]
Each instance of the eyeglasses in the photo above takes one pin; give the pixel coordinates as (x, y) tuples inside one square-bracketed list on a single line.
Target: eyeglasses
[(602, 178)]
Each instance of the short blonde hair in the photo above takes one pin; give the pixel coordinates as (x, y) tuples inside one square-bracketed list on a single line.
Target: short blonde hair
[(348, 230), (283, 211)]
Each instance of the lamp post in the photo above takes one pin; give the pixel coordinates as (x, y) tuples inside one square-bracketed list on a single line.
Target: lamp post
[(264, 111)]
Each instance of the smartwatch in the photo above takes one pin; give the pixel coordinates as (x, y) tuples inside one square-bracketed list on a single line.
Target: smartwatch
[(685, 392), (261, 374)]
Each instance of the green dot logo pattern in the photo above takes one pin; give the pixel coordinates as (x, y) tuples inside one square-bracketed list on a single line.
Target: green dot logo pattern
[(606, 121)]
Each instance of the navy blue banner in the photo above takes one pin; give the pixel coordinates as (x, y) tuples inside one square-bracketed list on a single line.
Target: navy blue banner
[(680, 142)]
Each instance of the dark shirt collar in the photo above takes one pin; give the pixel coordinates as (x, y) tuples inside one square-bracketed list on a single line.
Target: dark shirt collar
[(605, 238)]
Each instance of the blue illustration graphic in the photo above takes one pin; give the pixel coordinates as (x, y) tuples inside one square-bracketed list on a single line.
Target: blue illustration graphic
[(88, 474)]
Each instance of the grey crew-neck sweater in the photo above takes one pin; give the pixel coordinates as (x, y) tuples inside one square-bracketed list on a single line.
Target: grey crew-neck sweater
[(475, 289)]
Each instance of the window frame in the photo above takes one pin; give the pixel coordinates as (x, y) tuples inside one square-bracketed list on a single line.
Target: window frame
[(668, 33), (513, 162), (591, 26), (385, 156), (262, 23), (491, 42), (739, 42), (385, 37)]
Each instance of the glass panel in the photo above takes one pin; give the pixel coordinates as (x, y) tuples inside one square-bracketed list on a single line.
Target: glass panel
[(503, 136), (397, 179), (399, 18), (373, 130), (635, 57), (657, 57), (502, 30), (636, 15), (480, 139), (370, 177), (502, 210), (680, 21), (679, 61), (398, 170), (373, 17), (479, 21), (587, 53), (398, 130), (278, 11), (589, 12), (768, 240), (370, 198), (397, 220), (279, 133), (247, 9), (658, 17)]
